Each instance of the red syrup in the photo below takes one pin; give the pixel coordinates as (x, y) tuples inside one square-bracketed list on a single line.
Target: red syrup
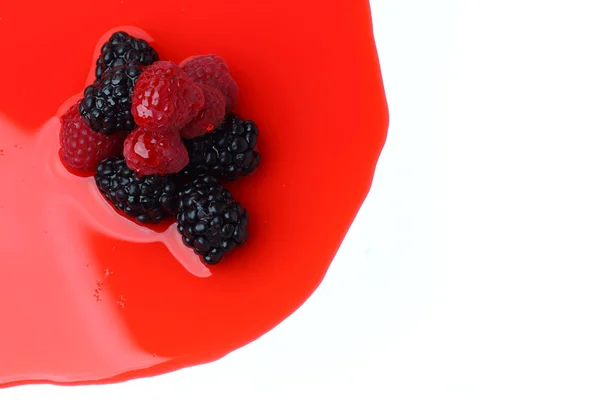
[(87, 296)]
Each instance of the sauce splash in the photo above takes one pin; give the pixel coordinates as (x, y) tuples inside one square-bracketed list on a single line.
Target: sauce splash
[(87, 296)]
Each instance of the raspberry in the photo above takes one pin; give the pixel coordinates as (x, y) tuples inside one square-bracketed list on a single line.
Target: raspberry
[(212, 70), (82, 149), (210, 220), (209, 117), (228, 152), (149, 152), (165, 98), (106, 105), (122, 48), (149, 199)]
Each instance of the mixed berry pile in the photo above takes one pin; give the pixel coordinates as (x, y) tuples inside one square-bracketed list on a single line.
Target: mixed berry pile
[(160, 140)]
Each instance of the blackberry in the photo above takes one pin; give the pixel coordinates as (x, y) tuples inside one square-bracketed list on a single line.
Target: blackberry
[(149, 199), (210, 221), (122, 48), (106, 105), (228, 152)]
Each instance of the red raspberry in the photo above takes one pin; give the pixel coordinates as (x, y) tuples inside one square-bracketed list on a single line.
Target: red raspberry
[(82, 149), (210, 117), (155, 153), (212, 70), (165, 98)]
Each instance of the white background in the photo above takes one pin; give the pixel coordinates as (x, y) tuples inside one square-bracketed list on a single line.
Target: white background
[(471, 272)]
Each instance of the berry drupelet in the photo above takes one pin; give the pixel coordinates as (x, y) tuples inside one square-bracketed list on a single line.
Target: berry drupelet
[(210, 117), (165, 98), (213, 71), (106, 105), (148, 199), (228, 152), (122, 48), (210, 221), (82, 149)]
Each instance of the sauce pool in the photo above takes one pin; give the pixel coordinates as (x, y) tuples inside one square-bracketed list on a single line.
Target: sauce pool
[(87, 296)]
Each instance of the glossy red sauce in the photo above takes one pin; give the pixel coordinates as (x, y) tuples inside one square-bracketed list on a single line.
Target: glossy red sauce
[(89, 296)]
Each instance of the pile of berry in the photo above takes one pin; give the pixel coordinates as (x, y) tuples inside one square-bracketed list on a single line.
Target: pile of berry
[(159, 138)]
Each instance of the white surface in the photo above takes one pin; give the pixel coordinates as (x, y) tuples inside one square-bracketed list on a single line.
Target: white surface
[(472, 270)]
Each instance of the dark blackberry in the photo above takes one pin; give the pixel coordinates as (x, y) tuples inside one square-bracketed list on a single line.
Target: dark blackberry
[(149, 199), (210, 221), (106, 105), (228, 152), (122, 48)]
